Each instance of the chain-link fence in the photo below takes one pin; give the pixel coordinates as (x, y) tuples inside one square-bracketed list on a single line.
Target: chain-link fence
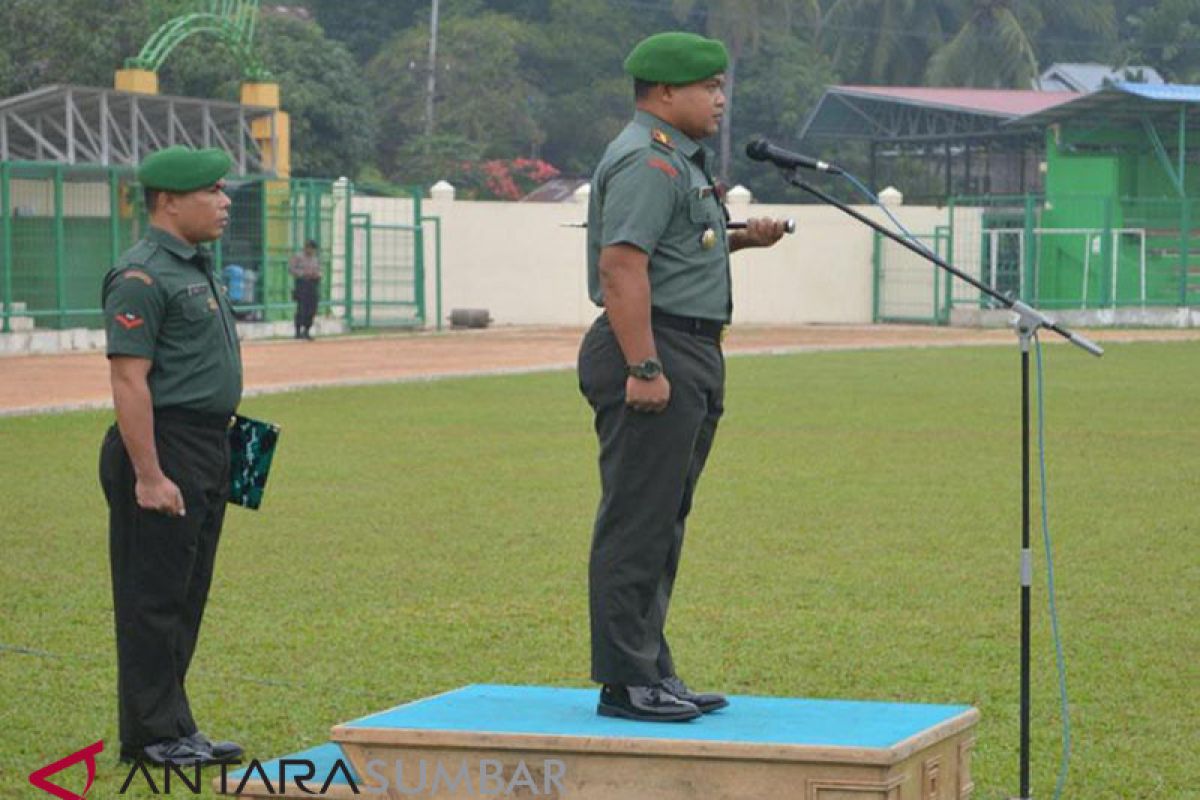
[(62, 227)]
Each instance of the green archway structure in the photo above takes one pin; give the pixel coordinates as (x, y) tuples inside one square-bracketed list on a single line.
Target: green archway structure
[(231, 21)]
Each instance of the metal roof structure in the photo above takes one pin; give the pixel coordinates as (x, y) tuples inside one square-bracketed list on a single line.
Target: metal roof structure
[(909, 114), (1073, 77), (86, 125), (1123, 102)]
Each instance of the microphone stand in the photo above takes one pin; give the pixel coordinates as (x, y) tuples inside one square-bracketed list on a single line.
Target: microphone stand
[(1027, 323)]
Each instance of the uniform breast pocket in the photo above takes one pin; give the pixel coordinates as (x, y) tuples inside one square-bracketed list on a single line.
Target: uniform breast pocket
[(197, 307), (703, 209)]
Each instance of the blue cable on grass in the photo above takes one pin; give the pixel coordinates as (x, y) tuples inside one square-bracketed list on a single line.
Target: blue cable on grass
[(1060, 659), (1065, 761)]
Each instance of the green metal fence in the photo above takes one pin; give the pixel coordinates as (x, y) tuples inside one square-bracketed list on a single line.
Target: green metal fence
[(1078, 252), (384, 280), (1067, 252), (62, 227), (909, 288)]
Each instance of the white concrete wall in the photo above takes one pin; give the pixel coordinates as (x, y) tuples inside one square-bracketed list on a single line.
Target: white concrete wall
[(524, 264)]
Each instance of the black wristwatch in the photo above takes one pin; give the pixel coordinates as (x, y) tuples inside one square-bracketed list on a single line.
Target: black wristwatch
[(648, 370)]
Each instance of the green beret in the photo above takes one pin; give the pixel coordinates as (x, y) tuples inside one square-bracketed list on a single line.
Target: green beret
[(182, 169), (677, 58)]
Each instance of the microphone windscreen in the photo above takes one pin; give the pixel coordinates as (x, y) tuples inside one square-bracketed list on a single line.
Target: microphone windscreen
[(757, 149)]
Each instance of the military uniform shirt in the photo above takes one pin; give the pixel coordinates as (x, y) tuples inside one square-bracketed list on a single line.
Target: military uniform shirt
[(162, 302), (653, 189)]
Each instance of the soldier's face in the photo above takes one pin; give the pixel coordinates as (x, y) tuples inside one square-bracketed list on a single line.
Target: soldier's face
[(202, 215), (699, 106)]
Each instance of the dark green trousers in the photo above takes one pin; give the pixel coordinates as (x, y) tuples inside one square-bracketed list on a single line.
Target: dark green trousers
[(649, 466), (162, 568)]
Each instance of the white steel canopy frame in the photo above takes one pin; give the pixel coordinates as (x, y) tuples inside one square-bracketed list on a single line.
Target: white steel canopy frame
[(86, 125)]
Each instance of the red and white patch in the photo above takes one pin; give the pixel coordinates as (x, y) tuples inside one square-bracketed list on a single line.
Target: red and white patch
[(129, 320), (139, 275)]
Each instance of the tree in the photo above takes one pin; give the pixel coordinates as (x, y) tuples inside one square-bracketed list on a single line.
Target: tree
[(740, 25), (365, 25), (993, 48), (881, 41), (333, 128), (73, 41), (777, 89), (1166, 36), (482, 94), (1078, 30), (576, 50)]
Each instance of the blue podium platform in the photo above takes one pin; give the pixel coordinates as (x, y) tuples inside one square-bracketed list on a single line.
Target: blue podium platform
[(522, 741), (541, 711)]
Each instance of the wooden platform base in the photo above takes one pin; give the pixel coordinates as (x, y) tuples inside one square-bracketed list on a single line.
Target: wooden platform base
[(532, 742)]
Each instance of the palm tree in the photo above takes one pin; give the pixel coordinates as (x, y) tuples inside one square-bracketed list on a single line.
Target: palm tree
[(993, 48), (740, 24), (881, 41)]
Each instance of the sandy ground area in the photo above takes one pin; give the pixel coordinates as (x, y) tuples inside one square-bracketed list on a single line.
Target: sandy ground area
[(35, 384)]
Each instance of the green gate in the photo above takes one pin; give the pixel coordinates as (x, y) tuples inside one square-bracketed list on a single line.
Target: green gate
[(384, 280), (909, 288)]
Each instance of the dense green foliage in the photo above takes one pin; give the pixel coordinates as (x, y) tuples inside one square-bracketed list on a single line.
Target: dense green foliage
[(542, 78), (856, 535)]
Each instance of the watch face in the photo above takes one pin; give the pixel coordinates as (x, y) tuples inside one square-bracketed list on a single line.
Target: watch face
[(647, 370)]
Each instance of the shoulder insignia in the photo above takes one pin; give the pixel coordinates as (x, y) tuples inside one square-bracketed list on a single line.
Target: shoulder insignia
[(129, 320), (659, 136), (139, 275), (659, 164)]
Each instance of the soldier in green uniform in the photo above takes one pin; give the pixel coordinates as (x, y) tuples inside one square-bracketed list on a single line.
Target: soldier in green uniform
[(176, 373), (651, 365)]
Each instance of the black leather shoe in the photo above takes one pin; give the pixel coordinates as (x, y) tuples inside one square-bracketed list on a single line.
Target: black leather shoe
[(645, 704), (704, 702), (183, 752), (224, 752)]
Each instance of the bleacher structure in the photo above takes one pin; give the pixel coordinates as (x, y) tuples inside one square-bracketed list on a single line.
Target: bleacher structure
[(1104, 224)]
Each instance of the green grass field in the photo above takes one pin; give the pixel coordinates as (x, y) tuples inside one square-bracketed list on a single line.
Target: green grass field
[(856, 536)]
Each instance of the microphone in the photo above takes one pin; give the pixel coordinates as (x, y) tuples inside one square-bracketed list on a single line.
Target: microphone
[(762, 150)]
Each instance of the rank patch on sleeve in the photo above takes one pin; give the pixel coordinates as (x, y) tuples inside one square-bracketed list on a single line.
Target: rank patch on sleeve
[(659, 164), (138, 274), (129, 320)]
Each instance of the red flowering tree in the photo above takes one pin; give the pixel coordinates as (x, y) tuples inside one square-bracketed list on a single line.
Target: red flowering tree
[(503, 179)]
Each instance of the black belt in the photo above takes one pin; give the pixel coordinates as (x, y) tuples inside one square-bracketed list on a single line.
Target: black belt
[(198, 419), (704, 328)]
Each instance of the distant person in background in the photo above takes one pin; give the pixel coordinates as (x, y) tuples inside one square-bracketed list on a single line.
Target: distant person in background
[(305, 267)]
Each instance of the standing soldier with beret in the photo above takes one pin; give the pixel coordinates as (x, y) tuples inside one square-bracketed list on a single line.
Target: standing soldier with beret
[(651, 365), (176, 375)]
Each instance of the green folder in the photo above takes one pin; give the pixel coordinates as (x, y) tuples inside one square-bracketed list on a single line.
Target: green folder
[(251, 448)]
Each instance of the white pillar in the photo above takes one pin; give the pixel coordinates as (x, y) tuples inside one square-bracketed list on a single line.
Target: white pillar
[(891, 196), (739, 196), (442, 191)]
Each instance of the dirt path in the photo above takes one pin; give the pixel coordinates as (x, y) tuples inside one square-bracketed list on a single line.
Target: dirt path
[(34, 384)]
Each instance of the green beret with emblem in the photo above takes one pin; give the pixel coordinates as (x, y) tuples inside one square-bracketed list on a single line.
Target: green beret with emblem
[(676, 57), (182, 169)]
